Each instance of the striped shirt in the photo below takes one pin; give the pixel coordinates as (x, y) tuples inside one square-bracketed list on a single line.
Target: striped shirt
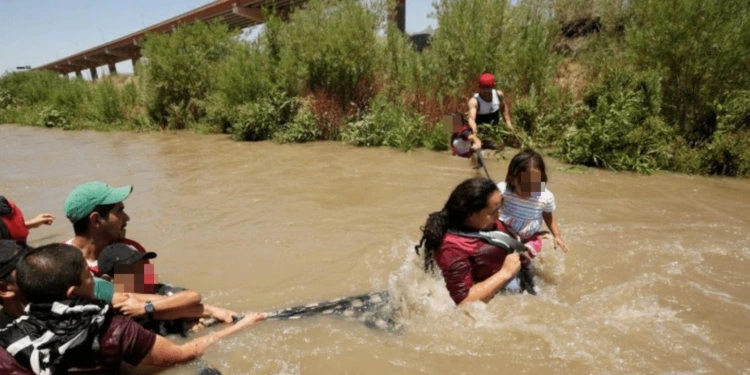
[(524, 215)]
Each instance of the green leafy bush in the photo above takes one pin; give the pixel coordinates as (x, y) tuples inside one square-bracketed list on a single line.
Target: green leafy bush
[(179, 67), (52, 118), (328, 44), (387, 124), (6, 99), (260, 120), (302, 128), (619, 127), (436, 138), (700, 49), (105, 101)]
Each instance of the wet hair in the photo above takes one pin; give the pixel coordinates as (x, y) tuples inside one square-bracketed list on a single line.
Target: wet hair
[(44, 274), (80, 227), (466, 199), (524, 161)]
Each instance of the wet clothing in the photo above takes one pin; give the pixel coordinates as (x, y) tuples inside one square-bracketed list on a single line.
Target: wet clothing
[(167, 327), (13, 224), (87, 333), (489, 112), (524, 216), (460, 143), (465, 261)]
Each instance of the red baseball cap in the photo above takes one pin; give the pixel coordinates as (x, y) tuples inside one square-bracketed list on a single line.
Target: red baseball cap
[(487, 80)]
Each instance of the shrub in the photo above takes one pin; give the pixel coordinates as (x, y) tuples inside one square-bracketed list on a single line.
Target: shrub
[(527, 60), (620, 127), (52, 118), (259, 120), (244, 75), (302, 128), (387, 124), (328, 113), (700, 48), (436, 138), (179, 67), (219, 113), (727, 154), (328, 44), (451, 59), (6, 99), (105, 102)]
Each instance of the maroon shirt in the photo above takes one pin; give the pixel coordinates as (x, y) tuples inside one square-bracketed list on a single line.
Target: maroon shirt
[(466, 261), (124, 340)]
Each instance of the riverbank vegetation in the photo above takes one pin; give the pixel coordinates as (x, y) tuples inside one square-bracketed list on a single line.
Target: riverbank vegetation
[(637, 85)]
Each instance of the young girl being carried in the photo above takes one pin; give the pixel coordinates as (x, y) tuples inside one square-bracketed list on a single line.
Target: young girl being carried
[(527, 201)]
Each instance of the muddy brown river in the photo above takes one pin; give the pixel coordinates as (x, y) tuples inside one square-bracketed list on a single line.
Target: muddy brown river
[(657, 279)]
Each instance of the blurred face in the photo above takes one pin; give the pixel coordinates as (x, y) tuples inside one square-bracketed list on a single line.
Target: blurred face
[(485, 218), (113, 226), (134, 278), (529, 183), (486, 92)]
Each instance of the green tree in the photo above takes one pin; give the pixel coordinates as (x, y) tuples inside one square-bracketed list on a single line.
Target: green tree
[(178, 70)]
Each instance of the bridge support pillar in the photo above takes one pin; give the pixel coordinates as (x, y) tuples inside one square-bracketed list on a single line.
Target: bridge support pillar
[(79, 74), (112, 68), (94, 75), (401, 15)]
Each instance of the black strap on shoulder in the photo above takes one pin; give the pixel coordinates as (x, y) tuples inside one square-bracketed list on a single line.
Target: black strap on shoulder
[(495, 237)]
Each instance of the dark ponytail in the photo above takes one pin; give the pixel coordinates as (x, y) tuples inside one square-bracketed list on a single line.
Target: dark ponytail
[(433, 232)]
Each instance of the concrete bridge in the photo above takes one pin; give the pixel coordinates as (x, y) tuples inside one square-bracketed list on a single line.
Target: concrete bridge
[(235, 13)]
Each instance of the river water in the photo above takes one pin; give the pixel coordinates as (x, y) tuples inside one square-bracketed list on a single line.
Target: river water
[(657, 279)]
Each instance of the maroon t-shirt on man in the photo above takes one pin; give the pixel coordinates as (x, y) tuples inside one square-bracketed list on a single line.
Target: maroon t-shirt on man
[(466, 261), (124, 340)]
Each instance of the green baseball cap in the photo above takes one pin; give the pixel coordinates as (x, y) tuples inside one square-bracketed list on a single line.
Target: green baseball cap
[(85, 197)]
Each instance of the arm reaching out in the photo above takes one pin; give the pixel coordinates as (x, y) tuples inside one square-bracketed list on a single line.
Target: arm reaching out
[(165, 353), (506, 113), (46, 219), (551, 222)]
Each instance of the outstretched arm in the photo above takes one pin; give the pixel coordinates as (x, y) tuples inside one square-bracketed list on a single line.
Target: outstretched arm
[(165, 353), (551, 222), (40, 219), (185, 304), (506, 113), (476, 144)]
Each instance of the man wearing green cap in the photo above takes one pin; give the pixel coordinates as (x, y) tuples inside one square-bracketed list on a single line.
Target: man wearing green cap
[(99, 220), (98, 216)]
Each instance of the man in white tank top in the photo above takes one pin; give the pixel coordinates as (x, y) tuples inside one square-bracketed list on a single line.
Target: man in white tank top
[(486, 106)]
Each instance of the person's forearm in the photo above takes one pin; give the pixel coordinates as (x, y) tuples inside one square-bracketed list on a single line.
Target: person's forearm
[(195, 348), (551, 222), (181, 300), (473, 125), (190, 312), (178, 301), (487, 289), (506, 117)]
